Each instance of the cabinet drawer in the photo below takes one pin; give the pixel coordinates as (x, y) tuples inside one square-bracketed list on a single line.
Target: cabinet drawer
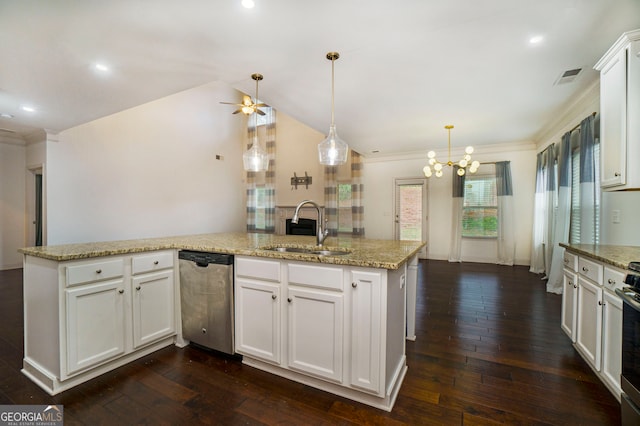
[(256, 268), (613, 278), (151, 262), (94, 271), (570, 261), (315, 276), (591, 270)]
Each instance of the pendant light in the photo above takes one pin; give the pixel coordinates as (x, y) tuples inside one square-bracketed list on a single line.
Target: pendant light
[(464, 165), (332, 151), (255, 159)]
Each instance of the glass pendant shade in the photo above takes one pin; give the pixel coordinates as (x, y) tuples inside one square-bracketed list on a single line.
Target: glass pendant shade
[(255, 159), (333, 151)]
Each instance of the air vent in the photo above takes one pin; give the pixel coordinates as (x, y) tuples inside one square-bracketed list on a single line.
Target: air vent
[(568, 76)]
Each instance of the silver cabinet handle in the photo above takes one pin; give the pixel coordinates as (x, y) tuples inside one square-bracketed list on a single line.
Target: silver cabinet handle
[(138, 288), (610, 281), (289, 300), (273, 296), (120, 291), (354, 284), (566, 261), (585, 269), (98, 271), (575, 286), (155, 262), (617, 174), (600, 302)]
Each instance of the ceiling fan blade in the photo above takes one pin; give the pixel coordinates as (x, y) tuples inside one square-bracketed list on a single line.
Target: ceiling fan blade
[(259, 112), (261, 105), (231, 103), (236, 111)]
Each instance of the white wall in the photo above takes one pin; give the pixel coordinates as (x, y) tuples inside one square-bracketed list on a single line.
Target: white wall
[(627, 231), (149, 171), (12, 204), (379, 176)]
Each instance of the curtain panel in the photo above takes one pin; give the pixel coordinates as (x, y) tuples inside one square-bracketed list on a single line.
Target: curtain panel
[(457, 204), (251, 184), (331, 199), (506, 234), (270, 174), (357, 192), (562, 217), (536, 263)]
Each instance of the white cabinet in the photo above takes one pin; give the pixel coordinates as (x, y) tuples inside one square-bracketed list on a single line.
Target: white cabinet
[(86, 317), (337, 328), (366, 324), (153, 300), (569, 303), (257, 319), (620, 113), (258, 308), (589, 322), (612, 341), (597, 316), (95, 324), (315, 332)]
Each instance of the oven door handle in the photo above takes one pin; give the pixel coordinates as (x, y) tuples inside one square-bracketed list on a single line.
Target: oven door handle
[(628, 297)]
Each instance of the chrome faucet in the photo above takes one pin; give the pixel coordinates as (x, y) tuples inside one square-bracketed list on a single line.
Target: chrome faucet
[(321, 233)]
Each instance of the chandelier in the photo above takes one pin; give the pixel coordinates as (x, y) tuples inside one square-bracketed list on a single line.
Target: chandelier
[(463, 165)]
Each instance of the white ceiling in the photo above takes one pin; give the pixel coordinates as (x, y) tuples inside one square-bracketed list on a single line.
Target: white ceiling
[(406, 68)]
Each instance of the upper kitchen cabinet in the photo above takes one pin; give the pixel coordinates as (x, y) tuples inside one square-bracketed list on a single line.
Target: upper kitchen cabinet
[(620, 113)]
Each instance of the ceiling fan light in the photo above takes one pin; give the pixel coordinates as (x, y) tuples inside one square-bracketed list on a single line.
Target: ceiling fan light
[(439, 173), (427, 171), (333, 151), (469, 150), (431, 154), (432, 161), (460, 172), (462, 163), (247, 109), (437, 167), (475, 164)]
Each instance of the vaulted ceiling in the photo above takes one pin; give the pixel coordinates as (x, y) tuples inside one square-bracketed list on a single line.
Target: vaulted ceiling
[(406, 68)]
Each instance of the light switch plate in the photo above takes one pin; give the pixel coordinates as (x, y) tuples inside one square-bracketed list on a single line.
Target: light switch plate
[(615, 216)]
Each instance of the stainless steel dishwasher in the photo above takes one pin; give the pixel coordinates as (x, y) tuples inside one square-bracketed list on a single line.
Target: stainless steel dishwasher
[(206, 298)]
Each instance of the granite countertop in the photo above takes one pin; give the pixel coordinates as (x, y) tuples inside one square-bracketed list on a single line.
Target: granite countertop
[(385, 254), (618, 256)]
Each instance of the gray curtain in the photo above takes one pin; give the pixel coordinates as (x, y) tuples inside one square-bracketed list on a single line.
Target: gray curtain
[(562, 218), (506, 234), (331, 200), (357, 193), (457, 204)]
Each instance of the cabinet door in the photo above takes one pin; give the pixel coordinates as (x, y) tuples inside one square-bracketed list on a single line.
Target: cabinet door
[(612, 340), (95, 324), (257, 312), (315, 332), (569, 304), (153, 307), (613, 121), (589, 322), (366, 331)]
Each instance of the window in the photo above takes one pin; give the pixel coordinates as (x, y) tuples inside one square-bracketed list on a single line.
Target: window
[(261, 205), (344, 208), (480, 207), (574, 226)]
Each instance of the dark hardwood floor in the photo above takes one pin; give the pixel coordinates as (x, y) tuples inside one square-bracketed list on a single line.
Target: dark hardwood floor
[(489, 350)]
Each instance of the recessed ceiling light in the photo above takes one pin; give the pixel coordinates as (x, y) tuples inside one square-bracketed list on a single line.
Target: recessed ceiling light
[(536, 39), (101, 67), (28, 108), (248, 4)]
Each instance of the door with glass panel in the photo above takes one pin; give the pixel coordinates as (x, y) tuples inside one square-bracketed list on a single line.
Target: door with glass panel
[(410, 211)]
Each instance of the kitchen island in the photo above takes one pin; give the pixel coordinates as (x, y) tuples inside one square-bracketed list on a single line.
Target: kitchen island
[(335, 321)]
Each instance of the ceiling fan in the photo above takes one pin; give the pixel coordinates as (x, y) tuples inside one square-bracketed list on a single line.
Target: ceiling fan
[(248, 106)]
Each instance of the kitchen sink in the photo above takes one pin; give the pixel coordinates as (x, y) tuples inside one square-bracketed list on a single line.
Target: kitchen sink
[(318, 251)]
